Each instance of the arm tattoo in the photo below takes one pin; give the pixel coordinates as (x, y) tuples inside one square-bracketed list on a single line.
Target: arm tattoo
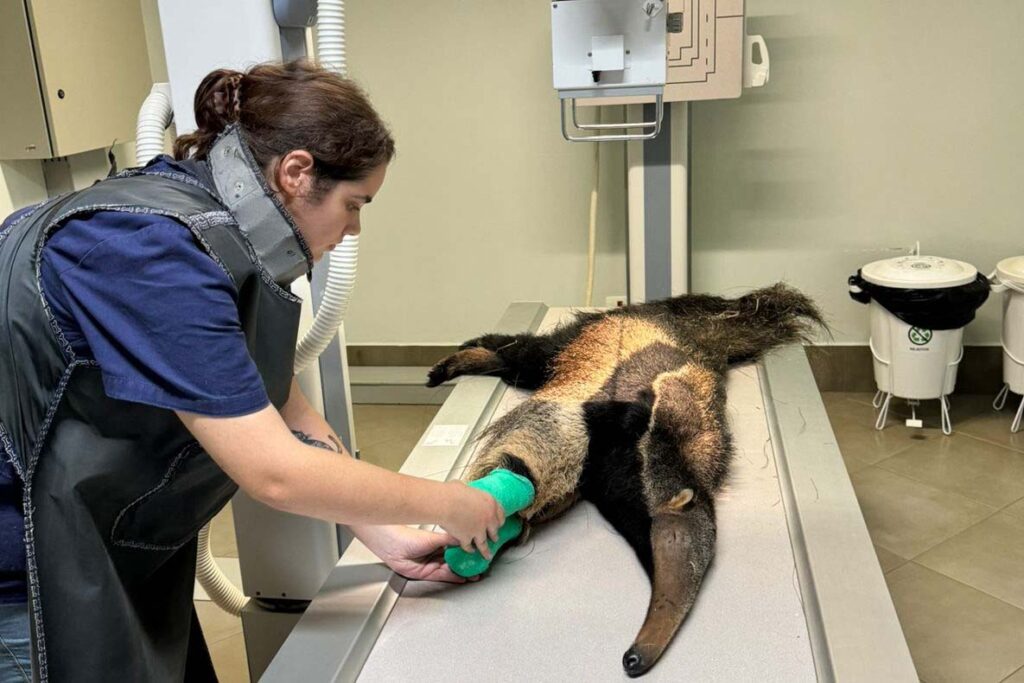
[(310, 441)]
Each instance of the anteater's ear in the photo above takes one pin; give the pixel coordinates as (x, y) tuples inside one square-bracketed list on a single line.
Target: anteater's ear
[(680, 500)]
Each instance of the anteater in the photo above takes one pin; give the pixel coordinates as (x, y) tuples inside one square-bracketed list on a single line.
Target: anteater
[(628, 412)]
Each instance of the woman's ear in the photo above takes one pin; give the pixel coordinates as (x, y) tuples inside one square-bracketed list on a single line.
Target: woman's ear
[(294, 174)]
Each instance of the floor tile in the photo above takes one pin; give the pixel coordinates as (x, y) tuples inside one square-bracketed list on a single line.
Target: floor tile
[(229, 660), (853, 424), (956, 634), (962, 464), (217, 624), (964, 408), (386, 434), (222, 534), (377, 423), (853, 463), (993, 426), (1016, 677), (1017, 509), (389, 454), (888, 560), (989, 556), (907, 517), (862, 397)]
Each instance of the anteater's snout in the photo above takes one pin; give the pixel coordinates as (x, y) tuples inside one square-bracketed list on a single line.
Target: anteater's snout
[(635, 663)]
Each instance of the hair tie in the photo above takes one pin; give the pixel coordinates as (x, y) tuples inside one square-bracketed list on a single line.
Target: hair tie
[(227, 100)]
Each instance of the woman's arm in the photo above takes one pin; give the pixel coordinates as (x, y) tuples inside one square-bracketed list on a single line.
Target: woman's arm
[(260, 453), (412, 553), (300, 416)]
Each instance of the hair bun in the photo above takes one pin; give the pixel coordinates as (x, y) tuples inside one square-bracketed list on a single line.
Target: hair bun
[(292, 106), (218, 100)]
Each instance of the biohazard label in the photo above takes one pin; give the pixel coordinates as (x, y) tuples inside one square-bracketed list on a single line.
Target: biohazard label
[(919, 336)]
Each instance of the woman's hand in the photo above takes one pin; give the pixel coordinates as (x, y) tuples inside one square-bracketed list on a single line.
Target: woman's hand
[(416, 554), (471, 517)]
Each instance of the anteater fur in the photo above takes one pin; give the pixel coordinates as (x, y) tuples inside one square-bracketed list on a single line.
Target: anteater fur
[(628, 411)]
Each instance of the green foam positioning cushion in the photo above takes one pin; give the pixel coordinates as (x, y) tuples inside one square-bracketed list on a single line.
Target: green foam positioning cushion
[(513, 492)]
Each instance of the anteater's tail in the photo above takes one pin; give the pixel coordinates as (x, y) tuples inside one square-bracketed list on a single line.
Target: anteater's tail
[(762, 320)]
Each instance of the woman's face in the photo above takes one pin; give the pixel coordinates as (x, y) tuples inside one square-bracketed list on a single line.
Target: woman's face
[(323, 220)]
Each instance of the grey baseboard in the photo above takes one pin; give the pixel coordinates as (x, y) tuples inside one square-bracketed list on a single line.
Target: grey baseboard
[(396, 374), (398, 355), (848, 368), (392, 384)]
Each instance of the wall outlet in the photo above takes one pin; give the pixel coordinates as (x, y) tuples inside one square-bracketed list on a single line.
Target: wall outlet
[(615, 301)]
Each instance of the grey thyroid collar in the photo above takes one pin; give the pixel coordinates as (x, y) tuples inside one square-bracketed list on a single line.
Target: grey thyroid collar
[(261, 218)]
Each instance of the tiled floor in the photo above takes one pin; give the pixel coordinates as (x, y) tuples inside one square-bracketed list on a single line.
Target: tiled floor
[(385, 435), (946, 514)]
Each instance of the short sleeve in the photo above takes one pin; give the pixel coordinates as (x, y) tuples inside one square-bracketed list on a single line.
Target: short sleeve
[(159, 316)]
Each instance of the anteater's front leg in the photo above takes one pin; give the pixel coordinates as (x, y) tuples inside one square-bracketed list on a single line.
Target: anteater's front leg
[(546, 442)]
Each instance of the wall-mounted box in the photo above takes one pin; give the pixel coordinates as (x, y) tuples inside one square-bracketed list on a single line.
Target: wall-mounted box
[(706, 56), (73, 74)]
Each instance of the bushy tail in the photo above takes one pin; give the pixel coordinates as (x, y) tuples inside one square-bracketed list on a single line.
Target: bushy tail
[(763, 320)]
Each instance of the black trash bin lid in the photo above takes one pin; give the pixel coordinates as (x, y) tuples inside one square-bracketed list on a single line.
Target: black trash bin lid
[(929, 292)]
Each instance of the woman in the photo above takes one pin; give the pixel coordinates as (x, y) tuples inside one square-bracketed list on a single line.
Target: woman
[(148, 374)]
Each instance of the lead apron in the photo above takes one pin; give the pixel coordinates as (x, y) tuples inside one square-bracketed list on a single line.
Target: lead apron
[(116, 492)]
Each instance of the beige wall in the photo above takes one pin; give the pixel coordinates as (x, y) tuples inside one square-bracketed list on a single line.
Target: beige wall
[(883, 123), (485, 204), (22, 182)]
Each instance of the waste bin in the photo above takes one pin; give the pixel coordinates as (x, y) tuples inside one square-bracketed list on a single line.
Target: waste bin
[(1009, 280), (919, 307)]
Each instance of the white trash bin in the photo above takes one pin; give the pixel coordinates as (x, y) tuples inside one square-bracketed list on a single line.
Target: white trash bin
[(913, 362), (1009, 280)]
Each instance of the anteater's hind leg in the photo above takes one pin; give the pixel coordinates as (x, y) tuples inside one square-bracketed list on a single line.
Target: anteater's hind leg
[(684, 457)]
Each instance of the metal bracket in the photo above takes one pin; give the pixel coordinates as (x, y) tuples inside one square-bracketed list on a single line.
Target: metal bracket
[(293, 17), (659, 108)]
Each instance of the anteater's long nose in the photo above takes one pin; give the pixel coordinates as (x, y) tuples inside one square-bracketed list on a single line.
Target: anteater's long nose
[(682, 543)]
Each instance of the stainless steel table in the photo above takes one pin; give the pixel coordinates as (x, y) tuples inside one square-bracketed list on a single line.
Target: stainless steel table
[(795, 592)]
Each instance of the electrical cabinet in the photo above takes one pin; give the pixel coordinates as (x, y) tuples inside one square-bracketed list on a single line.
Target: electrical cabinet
[(73, 74)]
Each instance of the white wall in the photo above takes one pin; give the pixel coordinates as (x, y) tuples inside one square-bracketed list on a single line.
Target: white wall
[(485, 204), (883, 123)]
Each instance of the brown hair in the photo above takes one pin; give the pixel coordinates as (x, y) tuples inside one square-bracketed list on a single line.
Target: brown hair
[(290, 106)]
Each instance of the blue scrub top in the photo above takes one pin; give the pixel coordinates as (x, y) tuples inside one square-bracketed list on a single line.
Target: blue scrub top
[(138, 295)]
